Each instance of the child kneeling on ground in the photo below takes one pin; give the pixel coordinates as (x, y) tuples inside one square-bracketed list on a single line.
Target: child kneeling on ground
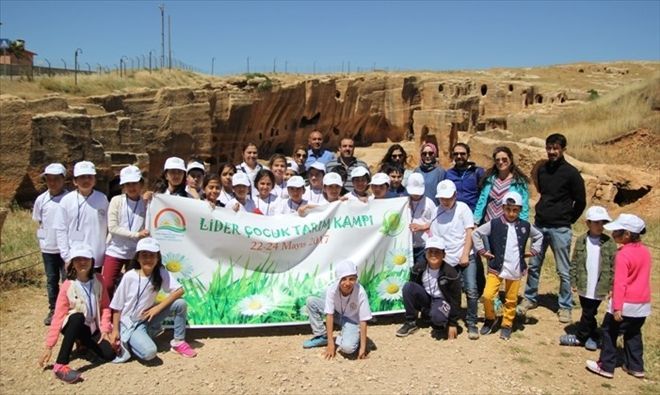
[(507, 236), (81, 314), (435, 290), (592, 269), (345, 304), (136, 319), (631, 300)]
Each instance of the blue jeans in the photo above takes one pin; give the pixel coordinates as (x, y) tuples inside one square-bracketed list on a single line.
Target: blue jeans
[(54, 268), (140, 340), (348, 340), (469, 281), (559, 240)]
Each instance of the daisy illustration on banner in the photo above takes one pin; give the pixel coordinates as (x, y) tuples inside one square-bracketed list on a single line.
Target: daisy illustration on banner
[(398, 259), (255, 305), (390, 289), (161, 296), (178, 265)]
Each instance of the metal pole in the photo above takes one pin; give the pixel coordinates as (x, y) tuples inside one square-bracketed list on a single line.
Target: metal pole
[(274, 64), (169, 40), (144, 62), (49, 68), (100, 68), (162, 35), (137, 58), (89, 68), (212, 65), (64, 63), (248, 65)]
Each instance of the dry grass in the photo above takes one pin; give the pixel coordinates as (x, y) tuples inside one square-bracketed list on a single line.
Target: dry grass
[(617, 113), (18, 239)]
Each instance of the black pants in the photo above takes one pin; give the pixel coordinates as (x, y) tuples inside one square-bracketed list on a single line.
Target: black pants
[(588, 326), (633, 349), (75, 329), (416, 299)]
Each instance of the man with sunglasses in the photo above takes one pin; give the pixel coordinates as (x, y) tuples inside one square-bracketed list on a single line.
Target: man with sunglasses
[(563, 198), (430, 169), (316, 152), (346, 160), (465, 175)]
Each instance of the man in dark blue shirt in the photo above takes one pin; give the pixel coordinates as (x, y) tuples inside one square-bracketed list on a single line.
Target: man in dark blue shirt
[(465, 175)]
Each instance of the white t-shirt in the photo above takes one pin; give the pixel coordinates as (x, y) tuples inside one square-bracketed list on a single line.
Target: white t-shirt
[(248, 207), (511, 265), (353, 196), (430, 282), (267, 206), (314, 196), (252, 173), (288, 206), (125, 219), (86, 289), (44, 211), (422, 212), (632, 309), (451, 225), (82, 220), (135, 294), (280, 191), (354, 307), (592, 264), (225, 197)]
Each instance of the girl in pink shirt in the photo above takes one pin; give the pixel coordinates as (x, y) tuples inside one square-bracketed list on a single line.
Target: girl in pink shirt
[(82, 313), (631, 300)]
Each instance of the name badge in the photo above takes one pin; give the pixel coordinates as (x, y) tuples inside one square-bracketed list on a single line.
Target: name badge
[(41, 234), (77, 235)]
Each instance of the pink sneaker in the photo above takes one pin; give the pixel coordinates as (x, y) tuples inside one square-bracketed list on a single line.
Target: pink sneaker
[(185, 350)]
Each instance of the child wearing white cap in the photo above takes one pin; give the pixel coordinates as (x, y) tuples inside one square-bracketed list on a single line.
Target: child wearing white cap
[(591, 270), (173, 178), (346, 305), (380, 185), (137, 317), (332, 187), (82, 314), (241, 200), (422, 211), (361, 178), (630, 303), (82, 217), (126, 225), (314, 192), (44, 211), (453, 222), (195, 172), (507, 237), (295, 188)]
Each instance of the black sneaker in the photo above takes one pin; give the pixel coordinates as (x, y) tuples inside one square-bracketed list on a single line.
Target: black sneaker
[(406, 329), (505, 333), (487, 329), (49, 318)]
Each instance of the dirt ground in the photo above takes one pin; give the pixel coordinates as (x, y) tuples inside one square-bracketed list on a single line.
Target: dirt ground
[(272, 360)]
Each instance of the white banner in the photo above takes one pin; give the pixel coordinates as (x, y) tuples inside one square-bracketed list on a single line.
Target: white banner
[(246, 269)]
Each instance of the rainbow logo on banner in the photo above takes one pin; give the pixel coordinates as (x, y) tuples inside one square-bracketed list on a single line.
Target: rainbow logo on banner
[(171, 220)]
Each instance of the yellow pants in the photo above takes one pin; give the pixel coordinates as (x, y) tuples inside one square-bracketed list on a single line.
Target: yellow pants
[(491, 292)]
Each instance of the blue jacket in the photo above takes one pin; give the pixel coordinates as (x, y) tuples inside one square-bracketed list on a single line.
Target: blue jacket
[(517, 185), (324, 157), (431, 180), (467, 183)]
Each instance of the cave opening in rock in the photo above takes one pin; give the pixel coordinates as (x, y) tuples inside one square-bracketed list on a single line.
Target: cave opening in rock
[(335, 131), (441, 87), (484, 89), (304, 121), (538, 99), (337, 95), (625, 195), (510, 87), (359, 137)]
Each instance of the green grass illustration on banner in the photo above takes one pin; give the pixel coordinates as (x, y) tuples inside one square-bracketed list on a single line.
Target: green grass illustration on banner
[(258, 296)]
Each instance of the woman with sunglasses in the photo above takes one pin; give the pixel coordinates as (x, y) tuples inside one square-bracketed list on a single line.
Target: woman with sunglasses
[(430, 170), (300, 157), (503, 177), (396, 157)]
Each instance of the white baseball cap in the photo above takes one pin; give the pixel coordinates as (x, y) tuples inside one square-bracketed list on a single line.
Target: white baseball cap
[(598, 213), (318, 166), (435, 242), (380, 179), (129, 174), (240, 178), (333, 179), (345, 268), (291, 164), (84, 168), (55, 169), (415, 184), (359, 172), (295, 182), (629, 222), (512, 198), (148, 244), (446, 189), (174, 163), (80, 250), (194, 165)]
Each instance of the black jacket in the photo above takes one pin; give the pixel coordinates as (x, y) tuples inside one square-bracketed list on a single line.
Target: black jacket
[(449, 283), (562, 194)]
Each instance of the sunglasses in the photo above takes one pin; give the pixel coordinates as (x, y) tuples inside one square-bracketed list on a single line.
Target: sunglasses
[(459, 153), (427, 153), (501, 160), (301, 155), (397, 155)]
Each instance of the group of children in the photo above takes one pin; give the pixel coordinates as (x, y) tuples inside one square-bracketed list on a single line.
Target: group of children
[(81, 234)]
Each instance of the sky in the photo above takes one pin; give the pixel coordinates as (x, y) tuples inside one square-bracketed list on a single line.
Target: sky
[(320, 36)]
